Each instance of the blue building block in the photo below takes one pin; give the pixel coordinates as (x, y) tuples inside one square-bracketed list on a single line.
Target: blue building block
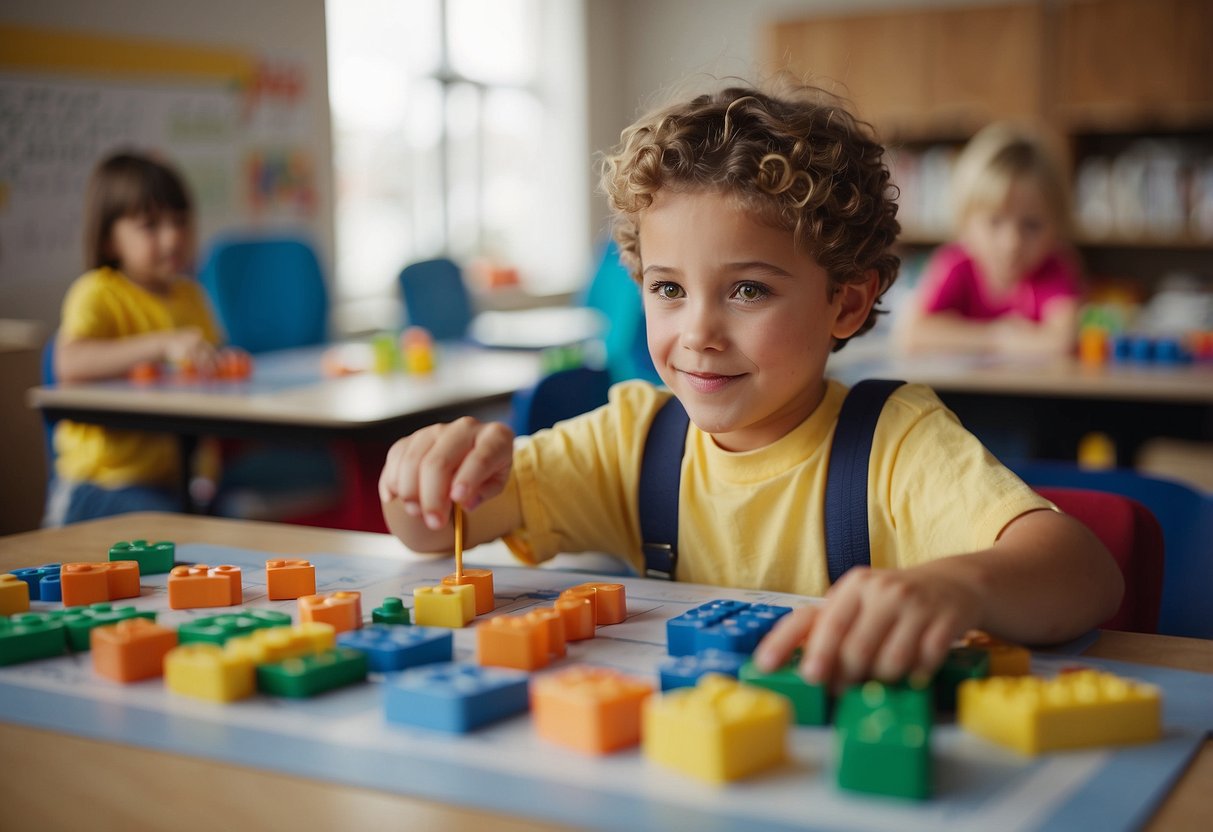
[(684, 671), (392, 647), (51, 588), (31, 635), (734, 635), (681, 630), (721, 624), (455, 697), (34, 577)]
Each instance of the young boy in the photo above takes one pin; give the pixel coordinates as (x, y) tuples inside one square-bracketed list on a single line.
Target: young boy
[(759, 227)]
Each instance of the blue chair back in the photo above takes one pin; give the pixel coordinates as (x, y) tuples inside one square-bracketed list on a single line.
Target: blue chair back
[(48, 379), (614, 293), (269, 293), (561, 395), (435, 297), (1186, 517)]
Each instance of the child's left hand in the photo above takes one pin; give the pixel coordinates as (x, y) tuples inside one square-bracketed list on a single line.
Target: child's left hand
[(875, 623)]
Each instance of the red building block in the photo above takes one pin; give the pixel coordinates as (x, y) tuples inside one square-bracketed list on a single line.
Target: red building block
[(131, 650), (289, 578), (191, 587), (94, 583), (343, 610)]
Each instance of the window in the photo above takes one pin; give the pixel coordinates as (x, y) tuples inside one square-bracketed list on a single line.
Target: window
[(459, 130)]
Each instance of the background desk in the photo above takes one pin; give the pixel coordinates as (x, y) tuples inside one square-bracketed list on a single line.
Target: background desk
[(1054, 401), (289, 400), (67, 782)]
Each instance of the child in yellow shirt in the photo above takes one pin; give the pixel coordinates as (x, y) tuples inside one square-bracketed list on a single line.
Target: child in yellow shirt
[(759, 226), (134, 305)]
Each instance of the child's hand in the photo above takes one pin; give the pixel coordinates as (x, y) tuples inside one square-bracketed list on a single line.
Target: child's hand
[(466, 461), (875, 623), (188, 347)]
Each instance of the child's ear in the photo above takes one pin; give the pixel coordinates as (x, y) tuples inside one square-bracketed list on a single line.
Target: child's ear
[(855, 302)]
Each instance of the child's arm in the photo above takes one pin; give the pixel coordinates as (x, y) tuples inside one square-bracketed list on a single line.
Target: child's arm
[(1046, 579), (85, 359), (1054, 334), (465, 461)]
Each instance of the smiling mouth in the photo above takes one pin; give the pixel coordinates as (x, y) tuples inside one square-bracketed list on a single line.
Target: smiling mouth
[(707, 382)]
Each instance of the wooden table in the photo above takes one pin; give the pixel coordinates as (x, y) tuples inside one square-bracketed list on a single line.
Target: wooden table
[(56, 781), (290, 401)]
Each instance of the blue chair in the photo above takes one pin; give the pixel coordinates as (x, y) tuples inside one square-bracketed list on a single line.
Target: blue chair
[(48, 379), (614, 293), (269, 292), (561, 395), (1186, 517), (435, 297)]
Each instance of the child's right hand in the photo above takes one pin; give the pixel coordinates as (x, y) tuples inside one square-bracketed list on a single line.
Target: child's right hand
[(188, 347), (465, 461)]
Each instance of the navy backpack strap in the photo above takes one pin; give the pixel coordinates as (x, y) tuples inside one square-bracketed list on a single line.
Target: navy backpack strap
[(846, 501), (660, 475)]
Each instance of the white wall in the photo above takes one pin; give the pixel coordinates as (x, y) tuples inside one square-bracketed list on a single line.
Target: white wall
[(287, 30)]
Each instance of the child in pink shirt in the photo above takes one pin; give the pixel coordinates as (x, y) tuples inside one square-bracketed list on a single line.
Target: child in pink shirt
[(1009, 283)]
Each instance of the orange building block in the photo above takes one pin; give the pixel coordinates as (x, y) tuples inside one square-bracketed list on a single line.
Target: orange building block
[(131, 650), (289, 578), (554, 641), (94, 583), (592, 709), (513, 641), (578, 615), (609, 601), (481, 581), (343, 610), (191, 587), (1006, 659)]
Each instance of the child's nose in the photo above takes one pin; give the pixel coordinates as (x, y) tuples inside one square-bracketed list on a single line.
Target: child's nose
[(702, 328)]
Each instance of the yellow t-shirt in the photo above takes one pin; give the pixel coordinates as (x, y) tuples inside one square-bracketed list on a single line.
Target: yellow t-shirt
[(754, 519), (104, 303)]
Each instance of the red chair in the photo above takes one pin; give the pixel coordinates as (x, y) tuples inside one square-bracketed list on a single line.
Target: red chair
[(1134, 538)]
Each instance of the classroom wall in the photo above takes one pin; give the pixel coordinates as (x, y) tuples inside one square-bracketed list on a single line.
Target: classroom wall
[(289, 33)]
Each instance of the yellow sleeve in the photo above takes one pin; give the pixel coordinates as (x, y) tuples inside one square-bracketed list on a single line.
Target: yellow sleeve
[(87, 310)]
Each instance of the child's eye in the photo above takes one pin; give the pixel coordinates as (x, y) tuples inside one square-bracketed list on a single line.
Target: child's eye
[(665, 289), (750, 292)]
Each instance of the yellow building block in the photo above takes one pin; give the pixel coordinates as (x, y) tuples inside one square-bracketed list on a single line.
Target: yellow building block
[(717, 731), (208, 671), (444, 606), (14, 595), (277, 644), (1074, 710), (1006, 659)]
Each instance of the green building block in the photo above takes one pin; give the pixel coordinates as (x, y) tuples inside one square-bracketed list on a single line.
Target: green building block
[(217, 629), (810, 703), (80, 621), (31, 635), (153, 558), (310, 675), (393, 611), (962, 663), (883, 735)]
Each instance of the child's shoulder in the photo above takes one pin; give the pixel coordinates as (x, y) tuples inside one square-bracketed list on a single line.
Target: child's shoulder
[(93, 283), (951, 256)]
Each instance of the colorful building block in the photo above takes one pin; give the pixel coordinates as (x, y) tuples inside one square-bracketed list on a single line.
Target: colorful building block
[(393, 647), (198, 586), (1006, 659), (721, 624), (962, 663), (883, 736), (392, 611), (552, 622), (481, 581), (217, 629), (578, 615), (454, 697), (609, 601), (14, 595), (278, 644), (1075, 710), (681, 630), (79, 622), (289, 578), (513, 641), (131, 650), (153, 558), (810, 702), (343, 610), (590, 709), (208, 671), (92, 583), (685, 671), (309, 675), (28, 636), (444, 606), (717, 731), (35, 575)]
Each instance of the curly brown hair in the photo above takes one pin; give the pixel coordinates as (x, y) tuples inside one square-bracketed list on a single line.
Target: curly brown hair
[(795, 157)]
